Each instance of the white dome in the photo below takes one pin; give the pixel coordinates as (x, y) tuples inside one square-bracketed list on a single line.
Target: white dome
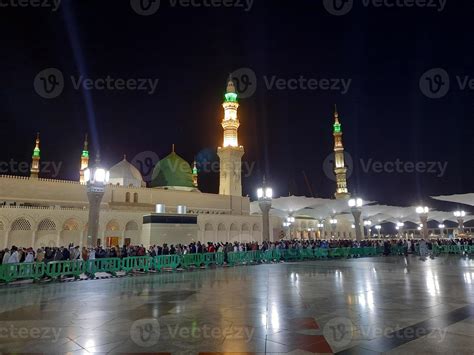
[(126, 174)]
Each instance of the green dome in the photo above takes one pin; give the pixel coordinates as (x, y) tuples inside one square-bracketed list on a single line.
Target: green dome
[(172, 171)]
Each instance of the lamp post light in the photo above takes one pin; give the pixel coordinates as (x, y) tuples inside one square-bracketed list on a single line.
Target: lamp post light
[(356, 208), (378, 227), (460, 217), (265, 195), (400, 226), (333, 223), (368, 224), (423, 213), (441, 229), (320, 229), (96, 179)]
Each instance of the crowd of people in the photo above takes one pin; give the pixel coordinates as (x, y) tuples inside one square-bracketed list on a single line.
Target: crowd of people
[(48, 254)]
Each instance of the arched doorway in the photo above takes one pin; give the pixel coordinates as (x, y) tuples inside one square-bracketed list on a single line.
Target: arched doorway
[(20, 233), (47, 234)]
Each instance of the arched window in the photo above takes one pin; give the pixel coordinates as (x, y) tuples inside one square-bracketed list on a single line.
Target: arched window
[(135, 197), (47, 225), (127, 197), (21, 224)]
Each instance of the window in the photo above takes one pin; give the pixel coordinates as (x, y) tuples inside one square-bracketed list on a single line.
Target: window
[(135, 197), (127, 197)]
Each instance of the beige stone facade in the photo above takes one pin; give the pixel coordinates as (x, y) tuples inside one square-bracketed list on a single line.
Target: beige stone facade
[(40, 212)]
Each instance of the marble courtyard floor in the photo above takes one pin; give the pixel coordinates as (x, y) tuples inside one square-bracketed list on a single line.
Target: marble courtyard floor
[(393, 305)]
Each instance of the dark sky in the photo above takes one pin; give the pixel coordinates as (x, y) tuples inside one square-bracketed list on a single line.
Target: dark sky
[(384, 51)]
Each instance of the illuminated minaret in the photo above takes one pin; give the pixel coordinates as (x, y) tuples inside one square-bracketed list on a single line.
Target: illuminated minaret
[(339, 166), (230, 154), (35, 162), (195, 175), (84, 160)]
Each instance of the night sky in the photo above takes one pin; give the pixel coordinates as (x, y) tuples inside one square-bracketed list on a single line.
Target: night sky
[(383, 52)]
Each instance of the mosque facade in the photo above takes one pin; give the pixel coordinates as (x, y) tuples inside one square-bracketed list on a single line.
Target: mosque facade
[(42, 212)]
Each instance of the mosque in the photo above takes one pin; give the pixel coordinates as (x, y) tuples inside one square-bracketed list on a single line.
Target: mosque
[(44, 212)]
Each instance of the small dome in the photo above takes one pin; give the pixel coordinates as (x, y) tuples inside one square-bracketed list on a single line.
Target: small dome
[(125, 174), (173, 172)]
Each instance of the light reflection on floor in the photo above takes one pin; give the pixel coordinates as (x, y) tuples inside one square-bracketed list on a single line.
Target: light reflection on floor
[(321, 306)]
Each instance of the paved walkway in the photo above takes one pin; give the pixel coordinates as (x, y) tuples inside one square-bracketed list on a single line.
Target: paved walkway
[(372, 305)]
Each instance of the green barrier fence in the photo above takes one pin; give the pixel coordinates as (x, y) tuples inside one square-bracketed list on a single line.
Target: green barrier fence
[(213, 259), (12, 272), (109, 265), (195, 260), (56, 269), (166, 262), (135, 263)]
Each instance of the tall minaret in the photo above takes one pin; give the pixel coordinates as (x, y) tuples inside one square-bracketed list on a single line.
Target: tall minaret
[(195, 175), (35, 162), (230, 154), (339, 166), (84, 160)]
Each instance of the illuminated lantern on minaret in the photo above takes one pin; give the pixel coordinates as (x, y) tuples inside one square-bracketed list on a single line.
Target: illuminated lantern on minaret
[(84, 160), (230, 154), (35, 162), (340, 168)]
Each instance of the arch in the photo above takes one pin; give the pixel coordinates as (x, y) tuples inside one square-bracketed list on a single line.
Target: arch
[(246, 235), (71, 224), (21, 224), (256, 232), (131, 234), (234, 233), (21, 233), (127, 197), (209, 234), (46, 225), (135, 197), (221, 232), (131, 226), (112, 225)]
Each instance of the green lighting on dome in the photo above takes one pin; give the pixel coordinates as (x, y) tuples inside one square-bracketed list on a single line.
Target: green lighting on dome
[(337, 128), (195, 171), (231, 97), (85, 154)]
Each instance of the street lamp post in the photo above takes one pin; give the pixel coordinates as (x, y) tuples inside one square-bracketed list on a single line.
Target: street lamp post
[(400, 226), (378, 227), (356, 208), (423, 213), (368, 224), (96, 179), (289, 222), (320, 229), (265, 195), (333, 223), (460, 217), (441, 229)]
